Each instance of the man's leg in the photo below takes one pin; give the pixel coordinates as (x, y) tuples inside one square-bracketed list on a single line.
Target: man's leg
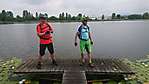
[(39, 59), (88, 49), (90, 60), (90, 57), (82, 49), (41, 52), (52, 55), (82, 58)]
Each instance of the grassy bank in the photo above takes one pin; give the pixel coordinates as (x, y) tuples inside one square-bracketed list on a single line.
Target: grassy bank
[(141, 67), (8, 66)]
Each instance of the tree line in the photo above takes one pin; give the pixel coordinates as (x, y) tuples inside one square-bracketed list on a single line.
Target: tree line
[(28, 16), (131, 17)]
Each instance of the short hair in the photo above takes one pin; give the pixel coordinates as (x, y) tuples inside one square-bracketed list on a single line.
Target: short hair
[(84, 20), (42, 18)]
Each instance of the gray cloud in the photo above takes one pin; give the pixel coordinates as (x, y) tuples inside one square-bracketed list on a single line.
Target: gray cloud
[(35, 2), (89, 7)]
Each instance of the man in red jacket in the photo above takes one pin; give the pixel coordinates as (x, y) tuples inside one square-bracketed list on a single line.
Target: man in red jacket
[(44, 32)]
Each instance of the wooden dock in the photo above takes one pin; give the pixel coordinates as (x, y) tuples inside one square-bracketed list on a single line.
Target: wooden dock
[(72, 72), (74, 77)]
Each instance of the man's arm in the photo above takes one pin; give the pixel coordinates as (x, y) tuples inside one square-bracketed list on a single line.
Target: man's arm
[(76, 38), (77, 34), (90, 37), (39, 32)]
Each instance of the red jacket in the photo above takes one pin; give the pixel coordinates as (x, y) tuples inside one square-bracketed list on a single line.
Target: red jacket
[(46, 38)]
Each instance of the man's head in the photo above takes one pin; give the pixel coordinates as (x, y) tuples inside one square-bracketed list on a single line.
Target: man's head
[(42, 19), (84, 21)]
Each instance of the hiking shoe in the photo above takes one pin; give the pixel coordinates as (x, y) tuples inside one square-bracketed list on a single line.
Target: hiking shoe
[(54, 63), (91, 65), (38, 66)]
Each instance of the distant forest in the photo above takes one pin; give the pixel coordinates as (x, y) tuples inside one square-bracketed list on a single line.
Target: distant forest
[(28, 16)]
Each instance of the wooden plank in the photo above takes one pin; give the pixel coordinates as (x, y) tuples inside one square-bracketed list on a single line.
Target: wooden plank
[(125, 67), (74, 77), (101, 66), (119, 68), (23, 66)]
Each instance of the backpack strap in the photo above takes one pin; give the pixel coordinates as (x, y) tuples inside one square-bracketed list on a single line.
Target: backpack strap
[(79, 35), (41, 32), (47, 25), (88, 27)]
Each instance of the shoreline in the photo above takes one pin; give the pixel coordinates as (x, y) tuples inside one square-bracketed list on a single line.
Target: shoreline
[(32, 22)]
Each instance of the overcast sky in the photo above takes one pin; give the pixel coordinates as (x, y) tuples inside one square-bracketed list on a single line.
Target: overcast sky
[(88, 7)]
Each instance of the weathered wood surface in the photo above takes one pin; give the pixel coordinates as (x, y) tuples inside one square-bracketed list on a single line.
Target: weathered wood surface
[(72, 72), (74, 77), (102, 66)]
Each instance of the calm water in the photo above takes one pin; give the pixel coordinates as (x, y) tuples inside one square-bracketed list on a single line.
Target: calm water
[(119, 39)]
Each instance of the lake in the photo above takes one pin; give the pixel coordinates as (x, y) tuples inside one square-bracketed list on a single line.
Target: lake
[(124, 39)]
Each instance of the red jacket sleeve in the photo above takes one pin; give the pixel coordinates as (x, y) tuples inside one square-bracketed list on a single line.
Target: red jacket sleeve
[(38, 29)]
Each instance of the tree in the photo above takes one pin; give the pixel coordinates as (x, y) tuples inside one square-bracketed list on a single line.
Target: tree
[(6, 16), (103, 17), (135, 16), (73, 18), (9, 16), (118, 16), (66, 16), (53, 18), (37, 17), (19, 18), (69, 16), (63, 16), (113, 15), (0, 16), (146, 15), (25, 14), (60, 16), (3, 15)]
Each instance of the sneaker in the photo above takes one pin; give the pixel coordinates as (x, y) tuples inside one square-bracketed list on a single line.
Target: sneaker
[(38, 66), (54, 63), (91, 65)]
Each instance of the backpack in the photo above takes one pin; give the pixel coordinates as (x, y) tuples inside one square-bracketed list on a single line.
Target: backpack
[(80, 35)]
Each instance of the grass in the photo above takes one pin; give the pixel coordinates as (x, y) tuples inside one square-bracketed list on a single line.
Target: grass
[(141, 67), (7, 68)]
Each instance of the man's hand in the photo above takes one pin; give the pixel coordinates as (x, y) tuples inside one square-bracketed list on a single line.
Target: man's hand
[(92, 42), (48, 32), (75, 43), (41, 34)]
